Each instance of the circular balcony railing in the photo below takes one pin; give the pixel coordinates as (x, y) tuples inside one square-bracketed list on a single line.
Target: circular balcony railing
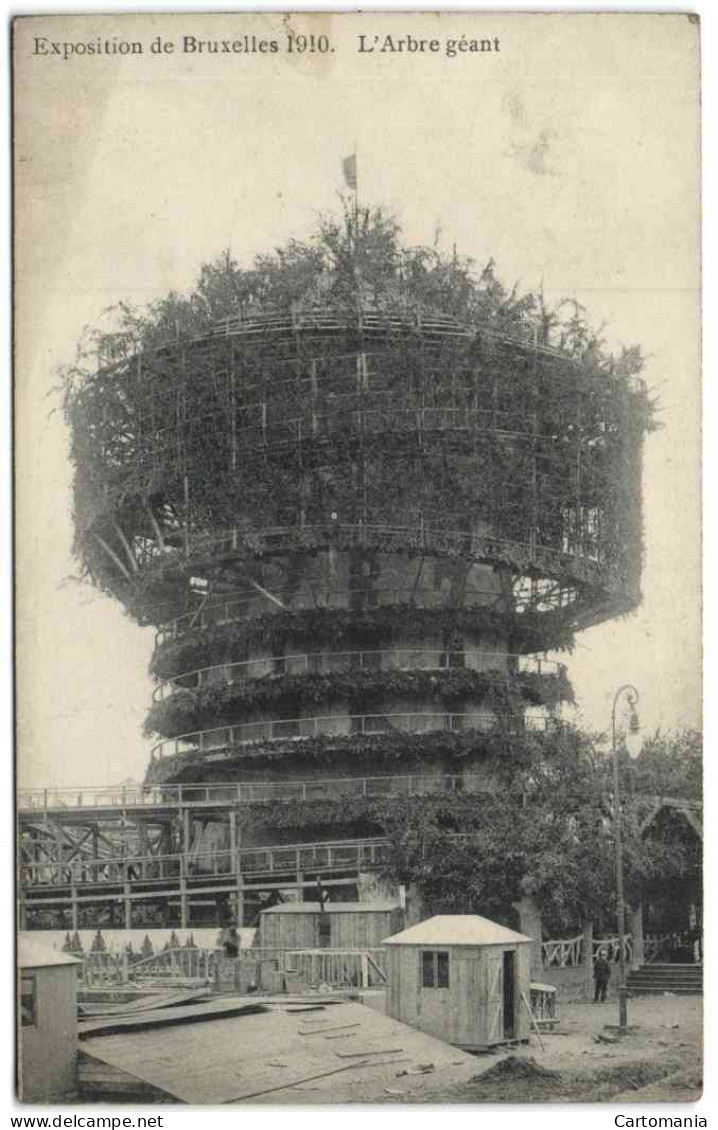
[(215, 743), (250, 603), (339, 662), (124, 797)]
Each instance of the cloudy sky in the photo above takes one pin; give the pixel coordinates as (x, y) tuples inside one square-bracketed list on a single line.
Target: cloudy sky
[(570, 156)]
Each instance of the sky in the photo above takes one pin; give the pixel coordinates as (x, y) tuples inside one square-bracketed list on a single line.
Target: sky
[(570, 157)]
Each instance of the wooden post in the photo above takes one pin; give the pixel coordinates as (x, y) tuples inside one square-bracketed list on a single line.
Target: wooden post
[(235, 844), (587, 959), (635, 927), (59, 853), (144, 849), (364, 971), (529, 913), (74, 908), (128, 907)]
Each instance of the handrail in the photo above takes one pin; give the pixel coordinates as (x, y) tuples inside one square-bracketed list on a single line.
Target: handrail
[(250, 792), (391, 659), (564, 952), (133, 871), (222, 738), (239, 606), (426, 536), (482, 544), (404, 317)]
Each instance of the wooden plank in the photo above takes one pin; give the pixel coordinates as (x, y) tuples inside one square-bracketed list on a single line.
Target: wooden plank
[(99, 1081), (293, 1083), (333, 1028), (167, 1017), (533, 1021), (213, 1063), (143, 1004), (369, 1051)]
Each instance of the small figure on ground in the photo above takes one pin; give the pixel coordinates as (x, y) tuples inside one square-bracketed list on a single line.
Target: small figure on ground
[(601, 977), (231, 942)]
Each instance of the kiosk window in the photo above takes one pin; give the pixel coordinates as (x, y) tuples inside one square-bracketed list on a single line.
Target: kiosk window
[(28, 1000), (434, 969)]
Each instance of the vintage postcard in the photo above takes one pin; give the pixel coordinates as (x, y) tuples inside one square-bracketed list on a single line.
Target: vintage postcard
[(357, 404)]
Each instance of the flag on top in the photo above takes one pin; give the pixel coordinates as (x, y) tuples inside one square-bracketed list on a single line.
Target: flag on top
[(349, 168)]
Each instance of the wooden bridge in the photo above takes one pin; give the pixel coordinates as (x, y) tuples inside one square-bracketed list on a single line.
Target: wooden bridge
[(129, 847), (183, 877)]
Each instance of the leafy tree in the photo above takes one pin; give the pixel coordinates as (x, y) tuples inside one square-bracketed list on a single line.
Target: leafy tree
[(669, 766), (546, 829), (344, 257), (146, 949)]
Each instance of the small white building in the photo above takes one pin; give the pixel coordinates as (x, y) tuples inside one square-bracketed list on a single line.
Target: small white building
[(461, 978), (47, 1022)]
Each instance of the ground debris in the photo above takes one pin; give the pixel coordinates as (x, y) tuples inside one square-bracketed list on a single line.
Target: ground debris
[(633, 1075), (516, 1067)]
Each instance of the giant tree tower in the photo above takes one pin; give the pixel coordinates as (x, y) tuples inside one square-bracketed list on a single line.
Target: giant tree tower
[(359, 507)]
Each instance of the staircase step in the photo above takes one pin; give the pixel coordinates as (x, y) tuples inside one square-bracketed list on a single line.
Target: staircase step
[(652, 991), (640, 986), (655, 980), (664, 980), (670, 973)]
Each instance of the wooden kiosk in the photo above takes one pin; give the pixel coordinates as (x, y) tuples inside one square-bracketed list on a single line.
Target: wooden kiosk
[(339, 925), (462, 978)]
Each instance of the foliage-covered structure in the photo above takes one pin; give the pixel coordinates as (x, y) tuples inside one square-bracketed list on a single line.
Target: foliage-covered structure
[(360, 491)]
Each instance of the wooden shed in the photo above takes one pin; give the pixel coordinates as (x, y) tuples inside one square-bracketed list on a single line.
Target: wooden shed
[(460, 977), (47, 1021), (338, 925)]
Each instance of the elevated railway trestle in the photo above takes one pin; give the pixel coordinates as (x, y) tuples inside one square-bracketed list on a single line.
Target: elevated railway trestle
[(141, 853)]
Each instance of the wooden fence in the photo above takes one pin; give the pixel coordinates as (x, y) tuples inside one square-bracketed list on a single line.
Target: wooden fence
[(337, 968), (567, 952)]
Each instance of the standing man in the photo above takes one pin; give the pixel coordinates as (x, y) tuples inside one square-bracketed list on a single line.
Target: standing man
[(601, 976)]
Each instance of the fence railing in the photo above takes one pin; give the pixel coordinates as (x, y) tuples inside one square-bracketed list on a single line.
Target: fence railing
[(101, 968), (224, 738), (562, 952), (567, 952), (338, 662), (250, 603), (32, 801), (356, 968), (336, 967), (420, 532), (138, 872)]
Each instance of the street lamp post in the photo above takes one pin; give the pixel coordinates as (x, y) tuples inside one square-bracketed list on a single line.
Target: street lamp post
[(632, 697)]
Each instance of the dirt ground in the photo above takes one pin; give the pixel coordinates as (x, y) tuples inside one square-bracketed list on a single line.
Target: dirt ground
[(345, 1052), (659, 1061)]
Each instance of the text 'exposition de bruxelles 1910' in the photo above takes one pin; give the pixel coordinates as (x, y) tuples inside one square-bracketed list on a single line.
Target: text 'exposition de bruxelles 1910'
[(291, 44)]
